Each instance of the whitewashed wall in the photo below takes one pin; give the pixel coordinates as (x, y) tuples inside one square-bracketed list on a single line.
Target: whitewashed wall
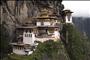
[(67, 21), (46, 23), (56, 34), (19, 52), (38, 23), (28, 38)]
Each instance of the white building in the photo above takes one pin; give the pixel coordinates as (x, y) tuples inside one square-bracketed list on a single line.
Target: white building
[(68, 16), (46, 27)]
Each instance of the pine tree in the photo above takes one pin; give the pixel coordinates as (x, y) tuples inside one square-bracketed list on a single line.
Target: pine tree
[(76, 45), (4, 41)]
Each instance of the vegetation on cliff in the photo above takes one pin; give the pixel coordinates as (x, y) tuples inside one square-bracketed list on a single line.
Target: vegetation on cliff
[(48, 50), (77, 46), (4, 41), (13, 13)]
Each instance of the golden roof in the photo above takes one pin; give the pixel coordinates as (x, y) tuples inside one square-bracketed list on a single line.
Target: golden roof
[(45, 15)]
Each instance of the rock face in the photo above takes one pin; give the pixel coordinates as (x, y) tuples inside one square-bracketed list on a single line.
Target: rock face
[(14, 13)]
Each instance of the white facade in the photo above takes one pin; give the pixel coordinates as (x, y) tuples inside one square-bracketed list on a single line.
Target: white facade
[(18, 51), (38, 23), (46, 23), (22, 52), (28, 38), (56, 34), (67, 19)]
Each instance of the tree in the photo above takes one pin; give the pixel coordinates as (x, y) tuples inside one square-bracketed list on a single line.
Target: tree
[(76, 45), (4, 40), (48, 50)]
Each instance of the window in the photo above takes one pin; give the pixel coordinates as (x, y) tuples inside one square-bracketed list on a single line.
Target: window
[(42, 23), (25, 35), (69, 18), (51, 31), (30, 35)]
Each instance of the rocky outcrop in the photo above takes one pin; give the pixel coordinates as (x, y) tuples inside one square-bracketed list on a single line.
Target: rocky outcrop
[(14, 13)]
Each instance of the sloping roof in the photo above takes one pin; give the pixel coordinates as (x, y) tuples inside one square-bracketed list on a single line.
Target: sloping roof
[(45, 17), (68, 11), (26, 27)]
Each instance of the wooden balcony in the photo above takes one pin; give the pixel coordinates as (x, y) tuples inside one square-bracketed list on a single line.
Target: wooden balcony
[(45, 39), (19, 44)]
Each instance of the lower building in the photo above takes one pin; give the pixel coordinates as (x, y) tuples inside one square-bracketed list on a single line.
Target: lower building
[(26, 37)]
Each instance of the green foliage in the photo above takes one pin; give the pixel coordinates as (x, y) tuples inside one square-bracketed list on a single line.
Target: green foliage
[(48, 50), (4, 38), (76, 43), (77, 48)]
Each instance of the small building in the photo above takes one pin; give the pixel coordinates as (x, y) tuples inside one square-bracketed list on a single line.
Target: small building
[(67, 16)]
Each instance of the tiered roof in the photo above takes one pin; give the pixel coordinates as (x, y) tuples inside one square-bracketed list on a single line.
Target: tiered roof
[(46, 14)]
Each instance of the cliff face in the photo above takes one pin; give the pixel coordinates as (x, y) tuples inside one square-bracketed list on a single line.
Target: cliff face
[(14, 13)]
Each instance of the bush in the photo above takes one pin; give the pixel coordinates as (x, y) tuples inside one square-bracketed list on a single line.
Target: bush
[(76, 44), (4, 41), (48, 50)]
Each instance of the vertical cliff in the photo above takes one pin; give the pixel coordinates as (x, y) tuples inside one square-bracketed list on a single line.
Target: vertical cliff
[(14, 13)]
